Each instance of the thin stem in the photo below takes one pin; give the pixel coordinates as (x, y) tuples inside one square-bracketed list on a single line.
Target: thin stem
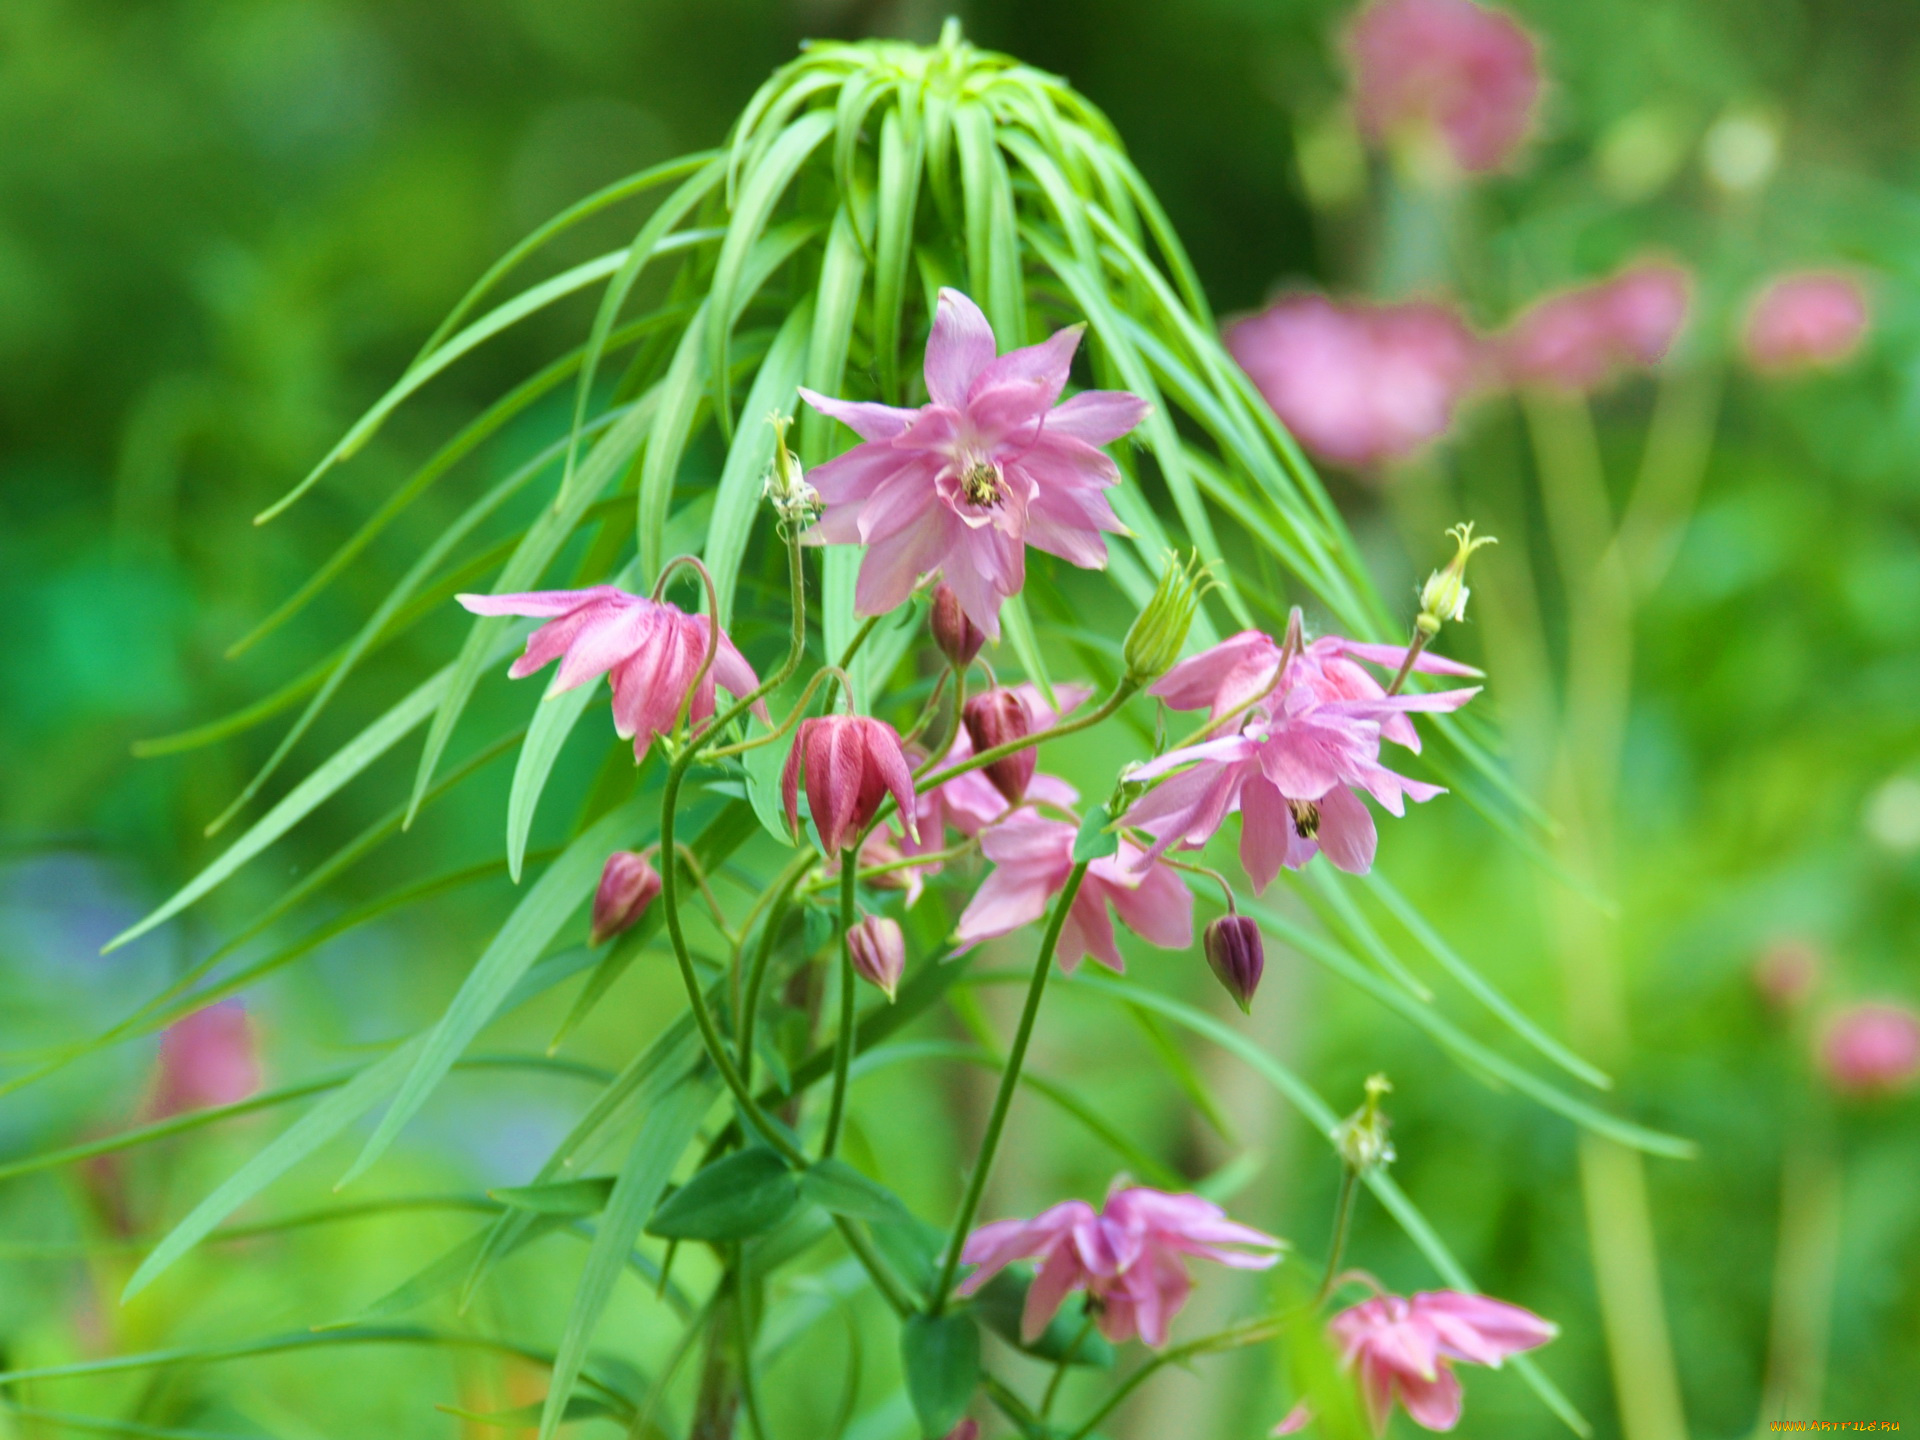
[(885, 1281), (1252, 1332), (743, 1337), (694, 868), (928, 710), (893, 867), (1067, 1358), (782, 892), (1009, 1081), (843, 1042), (1342, 1218), (825, 672), (1122, 692), (953, 725), (1211, 874), (1414, 647)]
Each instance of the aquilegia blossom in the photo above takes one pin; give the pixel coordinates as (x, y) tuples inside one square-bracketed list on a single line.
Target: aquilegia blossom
[(1033, 856), (1404, 1349), (1464, 73), (1355, 383), (852, 764), (878, 949), (628, 885), (1804, 321), (210, 1057), (989, 465), (1577, 339), (651, 649), (1872, 1048), (1130, 1257)]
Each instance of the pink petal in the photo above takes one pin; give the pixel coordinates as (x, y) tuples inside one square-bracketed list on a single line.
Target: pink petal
[(1269, 840), (790, 781), (1159, 908), (539, 602), (1501, 1329), (1347, 836), (959, 349), (1391, 657), (1098, 417), (1296, 1420), (890, 569), (1006, 900), (1432, 1404), (611, 635), (868, 420), (1095, 929), (1225, 749), (884, 757), (1043, 366), (1055, 1280)]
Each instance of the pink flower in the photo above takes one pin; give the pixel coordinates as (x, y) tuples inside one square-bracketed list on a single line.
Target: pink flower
[(1294, 1421), (879, 952), (852, 764), (1357, 384), (1310, 743), (650, 649), (209, 1058), (1405, 1349), (1577, 339), (628, 885), (1464, 72), (1032, 858), (1130, 1257), (971, 802), (1799, 322), (987, 467), (1872, 1049)]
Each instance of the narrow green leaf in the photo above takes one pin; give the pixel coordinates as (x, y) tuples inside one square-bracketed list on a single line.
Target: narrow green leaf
[(896, 201), (839, 1189), (941, 1357), (1016, 623), (1192, 1084), (559, 1197), (669, 1129), (553, 721), (104, 1425), (735, 1198), (528, 930), (444, 1272)]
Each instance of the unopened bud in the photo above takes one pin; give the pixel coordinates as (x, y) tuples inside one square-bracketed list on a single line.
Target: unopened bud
[(1444, 597), (995, 719), (968, 1429), (1362, 1136), (1237, 956), (879, 952), (628, 885), (958, 638), (1159, 633), (794, 500)]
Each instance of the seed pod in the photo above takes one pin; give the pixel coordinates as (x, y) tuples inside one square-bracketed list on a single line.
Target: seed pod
[(879, 952), (1237, 957), (957, 637), (992, 720), (627, 887)]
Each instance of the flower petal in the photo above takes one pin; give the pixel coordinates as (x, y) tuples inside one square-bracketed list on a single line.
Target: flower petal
[(867, 419), (959, 349), (1098, 417)]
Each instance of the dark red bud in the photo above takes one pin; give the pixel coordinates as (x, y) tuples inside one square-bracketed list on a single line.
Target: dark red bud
[(958, 637), (1237, 956), (628, 885), (992, 720)]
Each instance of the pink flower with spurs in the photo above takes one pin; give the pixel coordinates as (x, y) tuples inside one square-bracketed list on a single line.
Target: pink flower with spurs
[(1404, 1349), (651, 651), (1129, 1257), (1805, 321), (852, 763), (989, 465), (1033, 857), (1312, 742)]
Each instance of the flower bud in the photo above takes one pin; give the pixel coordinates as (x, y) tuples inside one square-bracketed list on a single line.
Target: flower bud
[(968, 1429), (794, 500), (1444, 596), (957, 637), (879, 952), (852, 764), (1872, 1049), (1362, 1136), (627, 887), (1154, 642), (1237, 956), (994, 719)]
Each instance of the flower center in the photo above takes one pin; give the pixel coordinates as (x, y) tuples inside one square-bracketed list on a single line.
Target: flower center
[(980, 483), (1306, 818)]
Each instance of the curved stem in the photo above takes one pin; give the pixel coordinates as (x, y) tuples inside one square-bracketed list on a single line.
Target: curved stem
[(1009, 1082), (694, 868), (1342, 1217), (781, 892), (1121, 694), (843, 1041), (825, 672), (953, 727), (928, 710), (1253, 1332)]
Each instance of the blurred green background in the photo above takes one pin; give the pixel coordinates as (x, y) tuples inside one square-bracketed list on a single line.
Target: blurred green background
[(225, 225)]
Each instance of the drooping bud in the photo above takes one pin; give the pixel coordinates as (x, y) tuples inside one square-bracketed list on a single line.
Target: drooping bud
[(628, 885), (852, 764), (995, 719), (212, 1057), (1237, 956), (957, 637), (879, 952), (1444, 596), (1362, 1136), (1159, 632)]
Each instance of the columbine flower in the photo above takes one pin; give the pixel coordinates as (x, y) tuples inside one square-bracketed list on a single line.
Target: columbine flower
[(1577, 339), (1237, 956), (971, 802), (987, 467), (628, 885), (1130, 1258), (1405, 1348), (996, 718), (652, 650), (879, 952), (210, 1057), (1357, 384), (1032, 858), (1805, 321), (1872, 1049), (852, 764), (1464, 74)]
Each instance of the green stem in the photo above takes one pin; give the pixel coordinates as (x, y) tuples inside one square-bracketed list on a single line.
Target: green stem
[(1342, 1217), (1121, 694), (1253, 1332), (1067, 1358), (1414, 647), (1009, 1081), (843, 1042), (782, 892)]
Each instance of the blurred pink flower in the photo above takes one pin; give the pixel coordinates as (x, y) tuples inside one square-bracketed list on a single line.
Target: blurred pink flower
[(1032, 858), (1787, 970), (852, 764), (966, 482), (1357, 383), (1577, 339), (1467, 73), (1130, 1257), (1405, 1349), (1872, 1048), (1799, 322), (968, 1429), (651, 650), (211, 1057)]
